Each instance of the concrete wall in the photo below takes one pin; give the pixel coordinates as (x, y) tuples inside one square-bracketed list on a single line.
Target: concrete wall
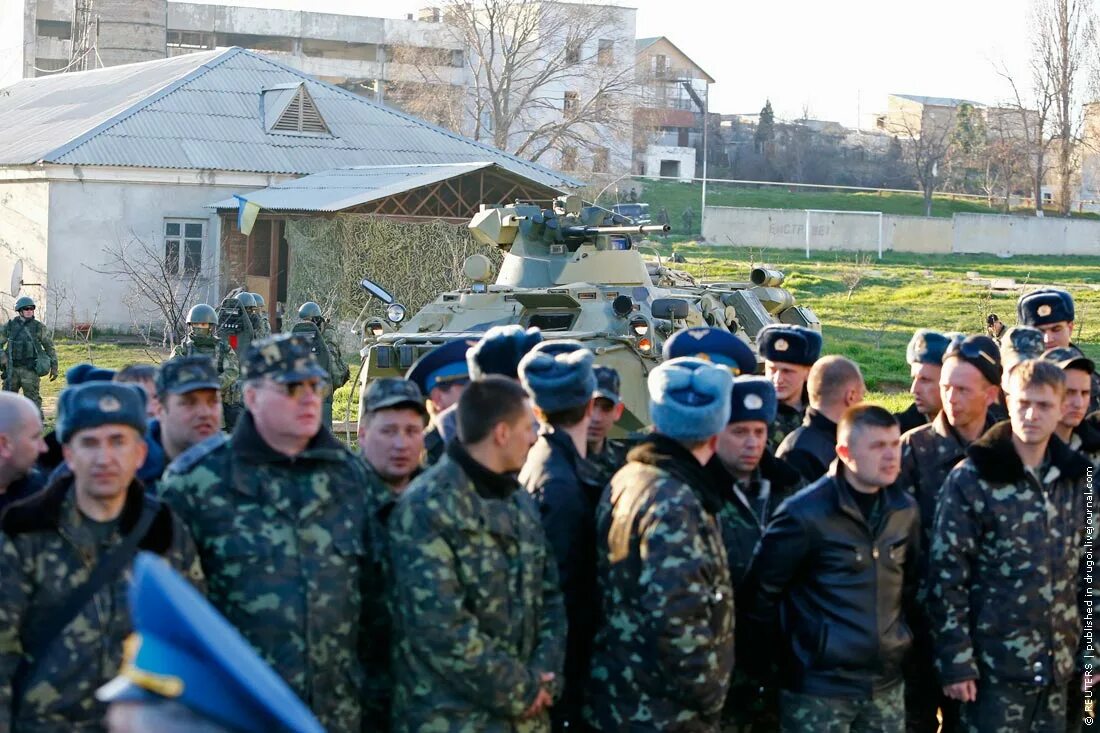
[(24, 218), (654, 154), (16, 40), (88, 218), (131, 31), (964, 233)]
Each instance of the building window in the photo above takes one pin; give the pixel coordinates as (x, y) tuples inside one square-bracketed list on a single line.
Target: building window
[(458, 59), (183, 246), (606, 55), (187, 39), (60, 29), (571, 102), (660, 66), (569, 159), (600, 159), (573, 52)]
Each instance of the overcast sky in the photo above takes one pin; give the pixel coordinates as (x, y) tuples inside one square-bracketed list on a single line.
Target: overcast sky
[(832, 58)]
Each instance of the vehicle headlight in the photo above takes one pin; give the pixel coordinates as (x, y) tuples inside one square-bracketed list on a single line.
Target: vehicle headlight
[(395, 313), (375, 327), (639, 326)]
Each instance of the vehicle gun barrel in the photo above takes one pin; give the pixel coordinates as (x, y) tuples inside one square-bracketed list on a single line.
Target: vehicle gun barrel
[(586, 231)]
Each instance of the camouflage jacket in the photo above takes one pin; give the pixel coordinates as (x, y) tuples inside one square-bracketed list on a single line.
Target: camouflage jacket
[(284, 543), (609, 460), (48, 549), (28, 339), (225, 359), (478, 612), (663, 652), (339, 371), (1006, 550), (747, 507), (377, 636), (1086, 439), (787, 420), (927, 455)]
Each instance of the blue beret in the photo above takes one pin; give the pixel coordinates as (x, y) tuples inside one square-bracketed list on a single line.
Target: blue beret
[(558, 381), (1044, 306), (789, 344), (689, 398), (926, 347), (714, 345), (93, 404), (500, 350), (184, 650), (82, 373), (753, 398), (445, 364)]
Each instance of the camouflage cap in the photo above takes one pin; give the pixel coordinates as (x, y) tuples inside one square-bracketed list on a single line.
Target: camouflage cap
[(391, 392), (284, 357), (186, 374), (1069, 357), (1020, 343), (608, 383)]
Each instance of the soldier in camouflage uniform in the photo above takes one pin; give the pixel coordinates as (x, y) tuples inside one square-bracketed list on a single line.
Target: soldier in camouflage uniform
[(789, 352), (1005, 563), (831, 582), (261, 325), (479, 623), (279, 513), (203, 341), (441, 375), (25, 347), (1080, 433), (391, 439), (969, 387), (327, 349), (663, 652), (49, 546), (754, 483), (190, 403), (1051, 310), (606, 455)]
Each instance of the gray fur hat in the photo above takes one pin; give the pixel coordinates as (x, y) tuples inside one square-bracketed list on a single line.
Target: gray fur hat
[(690, 398), (558, 381)]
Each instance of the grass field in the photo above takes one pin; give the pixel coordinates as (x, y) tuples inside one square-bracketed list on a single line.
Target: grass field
[(676, 197), (895, 296)]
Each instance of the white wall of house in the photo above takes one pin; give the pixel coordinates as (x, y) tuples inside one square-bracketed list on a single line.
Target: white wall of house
[(655, 155), (24, 226), (88, 219)]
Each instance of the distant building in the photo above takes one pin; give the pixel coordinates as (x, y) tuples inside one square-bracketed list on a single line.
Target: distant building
[(668, 121), (908, 115)]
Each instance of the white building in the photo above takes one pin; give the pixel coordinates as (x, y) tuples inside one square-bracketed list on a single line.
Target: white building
[(129, 157)]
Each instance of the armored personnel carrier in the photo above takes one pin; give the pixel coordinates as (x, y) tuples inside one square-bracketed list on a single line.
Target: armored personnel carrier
[(576, 272)]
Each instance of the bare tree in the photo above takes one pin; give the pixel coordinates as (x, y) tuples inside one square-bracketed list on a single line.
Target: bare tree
[(157, 283), (1033, 108), (926, 139), (542, 76), (1063, 37)]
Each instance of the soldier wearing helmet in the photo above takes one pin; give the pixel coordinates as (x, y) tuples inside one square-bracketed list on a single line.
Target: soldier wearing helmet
[(27, 352), (261, 326), (202, 339), (325, 346)]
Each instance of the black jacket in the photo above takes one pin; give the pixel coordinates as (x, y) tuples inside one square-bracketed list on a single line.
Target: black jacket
[(811, 448), (839, 585), (567, 491)]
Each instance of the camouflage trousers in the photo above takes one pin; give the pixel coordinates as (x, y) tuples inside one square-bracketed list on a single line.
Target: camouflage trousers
[(1004, 707), (26, 380), (883, 713), (1079, 708)]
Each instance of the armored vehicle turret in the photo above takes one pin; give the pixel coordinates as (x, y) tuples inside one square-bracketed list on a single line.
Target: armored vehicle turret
[(576, 272)]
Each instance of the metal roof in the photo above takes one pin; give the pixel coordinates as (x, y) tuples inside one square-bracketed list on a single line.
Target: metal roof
[(204, 111), (937, 101), (343, 188)]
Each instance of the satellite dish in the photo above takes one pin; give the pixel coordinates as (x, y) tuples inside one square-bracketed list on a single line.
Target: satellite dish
[(17, 279)]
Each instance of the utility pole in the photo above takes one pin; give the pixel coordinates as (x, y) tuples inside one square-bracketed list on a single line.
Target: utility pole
[(84, 36)]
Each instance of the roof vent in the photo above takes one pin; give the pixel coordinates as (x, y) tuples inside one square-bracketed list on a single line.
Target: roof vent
[(290, 109)]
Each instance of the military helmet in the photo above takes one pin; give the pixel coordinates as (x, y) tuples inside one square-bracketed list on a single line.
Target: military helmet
[(202, 313), (259, 300), (310, 310), (25, 302), (245, 300)]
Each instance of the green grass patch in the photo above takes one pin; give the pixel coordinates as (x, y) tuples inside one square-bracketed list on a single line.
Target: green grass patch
[(677, 197)]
